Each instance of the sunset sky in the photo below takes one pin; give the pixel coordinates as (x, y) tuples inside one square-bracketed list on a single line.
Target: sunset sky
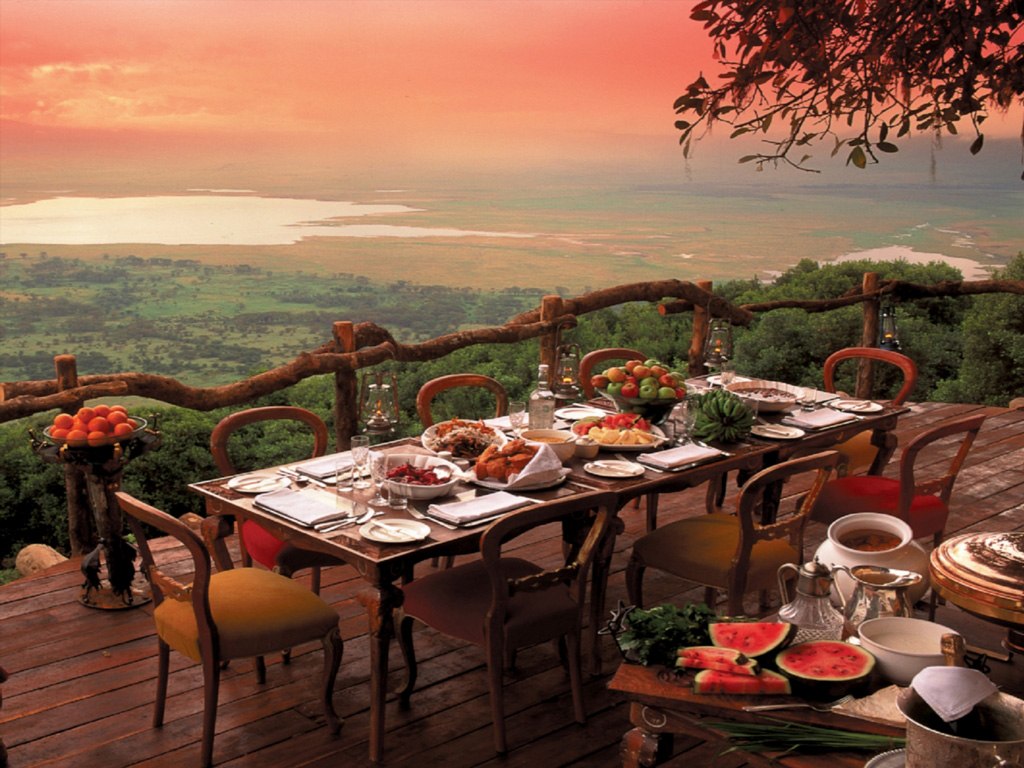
[(496, 83)]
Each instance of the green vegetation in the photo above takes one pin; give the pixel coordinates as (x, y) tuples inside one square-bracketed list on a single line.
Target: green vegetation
[(968, 349)]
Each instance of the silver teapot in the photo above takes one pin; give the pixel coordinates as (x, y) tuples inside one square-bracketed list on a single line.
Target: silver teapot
[(877, 591)]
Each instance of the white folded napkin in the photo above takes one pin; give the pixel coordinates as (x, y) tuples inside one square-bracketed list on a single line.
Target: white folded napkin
[(299, 507), (324, 466), (671, 458), (544, 467), (952, 691), (499, 422), (819, 419), (463, 512)]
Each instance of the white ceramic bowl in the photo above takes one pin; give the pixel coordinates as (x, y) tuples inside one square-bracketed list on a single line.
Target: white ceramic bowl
[(562, 441), (421, 492), (903, 646), (765, 396)]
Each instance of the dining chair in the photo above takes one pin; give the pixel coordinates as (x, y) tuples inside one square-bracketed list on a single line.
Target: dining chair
[(502, 602), (590, 360), (223, 615), (431, 389), (257, 543), (858, 452), (737, 552)]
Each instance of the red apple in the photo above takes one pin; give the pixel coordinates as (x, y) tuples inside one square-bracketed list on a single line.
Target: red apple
[(631, 364), (615, 374), (599, 381), (657, 371), (641, 371), (667, 380), (630, 389)]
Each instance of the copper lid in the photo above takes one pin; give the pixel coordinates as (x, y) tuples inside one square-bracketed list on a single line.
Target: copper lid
[(982, 573)]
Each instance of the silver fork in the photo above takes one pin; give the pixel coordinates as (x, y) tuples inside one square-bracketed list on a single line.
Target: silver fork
[(827, 707)]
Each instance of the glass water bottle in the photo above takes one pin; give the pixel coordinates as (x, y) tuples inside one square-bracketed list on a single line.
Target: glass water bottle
[(542, 402)]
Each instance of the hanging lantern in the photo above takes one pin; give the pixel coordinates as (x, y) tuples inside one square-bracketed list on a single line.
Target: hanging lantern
[(378, 402), (718, 344), (566, 384), (888, 333)]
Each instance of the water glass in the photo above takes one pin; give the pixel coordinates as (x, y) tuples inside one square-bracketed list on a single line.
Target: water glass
[(396, 497), (343, 473), (517, 416), (360, 450), (379, 476), (808, 398)]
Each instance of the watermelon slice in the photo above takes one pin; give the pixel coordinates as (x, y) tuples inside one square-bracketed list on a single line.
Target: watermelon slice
[(825, 668), (767, 682), (721, 659), (752, 638)]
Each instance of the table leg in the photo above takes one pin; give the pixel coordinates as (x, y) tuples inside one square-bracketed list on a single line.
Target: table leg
[(380, 603), (642, 746), (598, 590)]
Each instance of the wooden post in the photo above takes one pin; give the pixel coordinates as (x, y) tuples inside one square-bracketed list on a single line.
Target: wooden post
[(346, 390), (550, 308), (701, 320), (869, 336), (82, 532)]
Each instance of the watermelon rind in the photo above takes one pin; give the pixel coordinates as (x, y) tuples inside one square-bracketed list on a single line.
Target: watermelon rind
[(825, 668), (752, 638), (710, 681)]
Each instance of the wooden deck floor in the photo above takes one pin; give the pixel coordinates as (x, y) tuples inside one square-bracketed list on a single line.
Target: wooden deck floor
[(82, 681)]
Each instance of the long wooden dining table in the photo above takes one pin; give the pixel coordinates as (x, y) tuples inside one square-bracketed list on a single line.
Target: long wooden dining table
[(385, 566)]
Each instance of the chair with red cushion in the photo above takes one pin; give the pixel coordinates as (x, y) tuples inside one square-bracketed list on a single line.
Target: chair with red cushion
[(237, 613), (502, 602), (431, 389), (919, 496), (858, 453), (735, 552), (257, 543)]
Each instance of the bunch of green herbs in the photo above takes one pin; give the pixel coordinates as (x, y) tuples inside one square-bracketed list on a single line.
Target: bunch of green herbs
[(654, 635), (785, 737)]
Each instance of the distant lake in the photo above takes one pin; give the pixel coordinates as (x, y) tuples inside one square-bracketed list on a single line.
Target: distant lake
[(203, 219)]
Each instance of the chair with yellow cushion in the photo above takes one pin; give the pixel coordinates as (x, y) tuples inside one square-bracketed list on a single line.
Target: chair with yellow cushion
[(434, 387), (740, 552), (858, 453), (502, 602), (238, 613), (257, 542)]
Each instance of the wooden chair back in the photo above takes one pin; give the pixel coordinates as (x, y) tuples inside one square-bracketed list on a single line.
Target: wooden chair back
[(942, 484), (235, 421), (901, 361), (590, 361), (431, 389)]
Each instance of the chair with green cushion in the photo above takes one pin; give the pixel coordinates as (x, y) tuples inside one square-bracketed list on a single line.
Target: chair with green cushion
[(858, 453), (501, 602), (740, 552), (238, 613)]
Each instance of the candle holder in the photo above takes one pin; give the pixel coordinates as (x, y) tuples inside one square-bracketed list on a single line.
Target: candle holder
[(378, 402), (566, 381)]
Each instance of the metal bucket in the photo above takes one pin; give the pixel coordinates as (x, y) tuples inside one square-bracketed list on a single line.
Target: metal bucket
[(929, 743)]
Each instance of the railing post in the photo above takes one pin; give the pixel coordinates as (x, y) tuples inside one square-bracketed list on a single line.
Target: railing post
[(550, 308), (81, 525), (869, 336), (701, 319), (346, 391)]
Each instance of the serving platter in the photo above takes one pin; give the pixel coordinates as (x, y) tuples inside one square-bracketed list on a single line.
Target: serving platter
[(660, 436), (439, 437), (141, 425), (497, 485)]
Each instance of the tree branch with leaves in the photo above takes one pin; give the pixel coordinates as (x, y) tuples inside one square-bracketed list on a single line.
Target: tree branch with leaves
[(861, 73)]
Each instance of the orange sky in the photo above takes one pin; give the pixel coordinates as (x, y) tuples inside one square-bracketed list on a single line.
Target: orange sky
[(519, 80)]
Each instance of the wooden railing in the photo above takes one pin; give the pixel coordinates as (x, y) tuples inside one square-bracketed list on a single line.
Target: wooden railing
[(355, 346)]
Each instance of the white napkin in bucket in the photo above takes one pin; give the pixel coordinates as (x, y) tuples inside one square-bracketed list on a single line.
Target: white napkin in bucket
[(952, 691), (544, 467)]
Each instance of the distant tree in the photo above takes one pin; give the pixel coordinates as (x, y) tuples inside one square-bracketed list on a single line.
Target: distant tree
[(861, 72)]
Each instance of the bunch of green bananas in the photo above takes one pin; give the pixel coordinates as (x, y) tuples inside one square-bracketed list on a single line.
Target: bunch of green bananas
[(721, 415)]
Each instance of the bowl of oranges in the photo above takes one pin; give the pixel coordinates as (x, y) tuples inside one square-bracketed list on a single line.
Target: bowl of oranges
[(94, 426)]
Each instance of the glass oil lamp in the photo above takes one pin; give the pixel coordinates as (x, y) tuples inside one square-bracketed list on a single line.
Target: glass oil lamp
[(378, 402), (565, 383)]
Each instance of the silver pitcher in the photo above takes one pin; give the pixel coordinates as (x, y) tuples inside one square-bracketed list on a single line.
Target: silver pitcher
[(877, 591)]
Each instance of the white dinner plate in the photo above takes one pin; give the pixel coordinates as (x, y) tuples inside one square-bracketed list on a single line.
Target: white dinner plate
[(577, 412), (613, 468), (497, 485), (777, 431), (856, 406), (394, 531), (258, 483)]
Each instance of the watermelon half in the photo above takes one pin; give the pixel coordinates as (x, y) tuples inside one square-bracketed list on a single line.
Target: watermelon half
[(766, 682), (722, 659), (751, 638), (825, 669)]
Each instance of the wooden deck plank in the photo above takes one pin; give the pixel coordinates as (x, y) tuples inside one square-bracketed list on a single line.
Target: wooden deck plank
[(82, 681)]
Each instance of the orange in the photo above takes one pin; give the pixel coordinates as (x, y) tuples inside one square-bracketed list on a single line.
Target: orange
[(77, 437), (123, 429), (58, 433), (85, 415), (120, 408), (101, 410), (63, 421), (97, 438), (99, 424), (134, 424), (117, 417)]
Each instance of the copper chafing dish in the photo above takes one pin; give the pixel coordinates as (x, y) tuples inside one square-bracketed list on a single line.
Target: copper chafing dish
[(983, 573)]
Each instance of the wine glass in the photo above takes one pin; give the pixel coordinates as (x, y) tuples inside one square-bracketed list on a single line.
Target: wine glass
[(517, 416), (682, 418), (360, 449), (379, 476)]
